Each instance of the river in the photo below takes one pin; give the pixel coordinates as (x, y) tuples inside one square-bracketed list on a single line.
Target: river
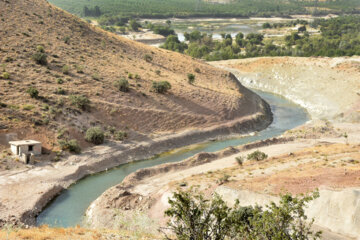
[(69, 207)]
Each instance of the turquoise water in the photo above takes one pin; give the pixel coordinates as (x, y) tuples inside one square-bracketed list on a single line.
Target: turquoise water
[(68, 208)]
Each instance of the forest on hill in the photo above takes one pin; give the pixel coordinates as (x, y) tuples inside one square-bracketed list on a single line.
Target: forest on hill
[(199, 8)]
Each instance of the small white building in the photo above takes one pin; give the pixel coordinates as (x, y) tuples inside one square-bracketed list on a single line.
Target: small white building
[(25, 149)]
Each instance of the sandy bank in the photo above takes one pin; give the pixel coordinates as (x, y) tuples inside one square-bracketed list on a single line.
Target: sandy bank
[(317, 158), (327, 87), (24, 194), (149, 189)]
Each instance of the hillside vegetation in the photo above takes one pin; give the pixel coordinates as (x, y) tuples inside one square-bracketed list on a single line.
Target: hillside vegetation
[(61, 76), (197, 8)]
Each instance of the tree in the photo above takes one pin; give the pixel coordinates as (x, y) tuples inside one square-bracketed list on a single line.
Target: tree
[(266, 25), (302, 29), (86, 11), (97, 11), (134, 25), (193, 36), (172, 43), (192, 217), (255, 38), (239, 39), (195, 218)]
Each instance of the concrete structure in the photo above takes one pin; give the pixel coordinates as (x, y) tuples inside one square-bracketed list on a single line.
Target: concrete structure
[(26, 149)]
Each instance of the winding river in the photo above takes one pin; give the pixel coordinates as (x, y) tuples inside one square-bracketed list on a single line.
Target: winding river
[(68, 208)]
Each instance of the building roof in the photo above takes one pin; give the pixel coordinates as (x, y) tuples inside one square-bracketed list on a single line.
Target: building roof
[(24, 142)]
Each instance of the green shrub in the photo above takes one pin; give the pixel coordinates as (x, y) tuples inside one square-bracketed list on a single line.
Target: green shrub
[(40, 58), (148, 58), (79, 69), (66, 69), (157, 72), (28, 107), (5, 75), (33, 92), (3, 105), (191, 78), (161, 86), (67, 39), (59, 81), (257, 155), (120, 135), (95, 76), (197, 70), (239, 160), (40, 49), (60, 91), (80, 101), (224, 179), (70, 145), (95, 135), (122, 85), (130, 76)]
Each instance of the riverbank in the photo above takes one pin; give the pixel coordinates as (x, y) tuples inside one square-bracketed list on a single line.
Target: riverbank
[(321, 154), (328, 88), (24, 194), (326, 161)]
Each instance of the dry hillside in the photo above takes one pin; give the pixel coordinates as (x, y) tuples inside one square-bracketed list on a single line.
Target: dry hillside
[(83, 60)]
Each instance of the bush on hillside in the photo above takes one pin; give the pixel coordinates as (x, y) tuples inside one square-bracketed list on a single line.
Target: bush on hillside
[(60, 91), (122, 85), (40, 58), (148, 58), (161, 86), (33, 92), (40, 49), (120, 135), (80, 101), (257, 155), (66, 69), (5, 75), (95, 135), (70, 145), (191, 78)]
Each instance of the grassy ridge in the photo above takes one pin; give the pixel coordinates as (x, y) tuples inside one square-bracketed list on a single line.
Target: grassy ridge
[(187, 8)]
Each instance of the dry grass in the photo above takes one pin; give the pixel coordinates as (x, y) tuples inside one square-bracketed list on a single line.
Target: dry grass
[(77, 233), (334, 166), (94, 60)]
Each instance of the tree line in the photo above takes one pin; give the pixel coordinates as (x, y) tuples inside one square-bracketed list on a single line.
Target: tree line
[(338, 37), (196, 8)]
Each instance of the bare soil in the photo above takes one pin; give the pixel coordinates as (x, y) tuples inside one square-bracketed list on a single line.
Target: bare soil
[(215, 105), (327, 87), (95, 60)]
